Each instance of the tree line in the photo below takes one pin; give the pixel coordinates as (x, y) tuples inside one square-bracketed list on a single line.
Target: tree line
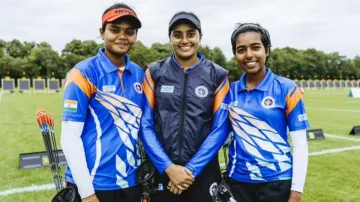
[(30, 59)]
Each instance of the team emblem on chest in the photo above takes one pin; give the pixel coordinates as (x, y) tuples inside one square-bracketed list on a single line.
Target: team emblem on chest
[(268, 102), (138, 88), (201, 91)]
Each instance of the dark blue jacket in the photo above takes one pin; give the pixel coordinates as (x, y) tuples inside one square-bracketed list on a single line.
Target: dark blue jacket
[(185, 113)]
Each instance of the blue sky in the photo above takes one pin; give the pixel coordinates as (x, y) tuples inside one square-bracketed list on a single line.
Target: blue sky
[(327, 25)]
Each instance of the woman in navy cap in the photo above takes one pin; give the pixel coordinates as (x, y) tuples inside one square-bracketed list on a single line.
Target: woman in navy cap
[(184, 114), (103, 100)]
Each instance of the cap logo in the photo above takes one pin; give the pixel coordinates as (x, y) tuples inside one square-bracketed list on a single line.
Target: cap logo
[(118, 12)]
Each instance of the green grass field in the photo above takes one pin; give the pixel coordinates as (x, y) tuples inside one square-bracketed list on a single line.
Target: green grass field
[(331, 177)]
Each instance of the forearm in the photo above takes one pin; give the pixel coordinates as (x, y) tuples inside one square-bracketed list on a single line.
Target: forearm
[(212, 144), (73, 149), (206, 153), (300, 160), (151, 143)]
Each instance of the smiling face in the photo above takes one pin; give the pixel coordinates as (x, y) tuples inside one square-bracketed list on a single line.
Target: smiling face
[(185, 40), (250, 52), (119, 37)]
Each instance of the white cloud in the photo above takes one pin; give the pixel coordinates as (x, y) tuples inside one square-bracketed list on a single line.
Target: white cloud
[(325, 25)]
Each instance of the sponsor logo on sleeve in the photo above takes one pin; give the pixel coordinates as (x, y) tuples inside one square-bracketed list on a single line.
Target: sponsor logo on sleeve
[(302, 117)]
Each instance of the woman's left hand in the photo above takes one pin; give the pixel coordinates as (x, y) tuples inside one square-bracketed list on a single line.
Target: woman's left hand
[(295, 196)]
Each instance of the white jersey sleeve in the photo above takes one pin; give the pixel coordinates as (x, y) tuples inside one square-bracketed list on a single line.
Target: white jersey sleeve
[(73, 149), (300, 159)]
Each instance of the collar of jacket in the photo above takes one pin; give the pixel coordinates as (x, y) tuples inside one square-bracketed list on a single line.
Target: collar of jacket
[(199, 55)]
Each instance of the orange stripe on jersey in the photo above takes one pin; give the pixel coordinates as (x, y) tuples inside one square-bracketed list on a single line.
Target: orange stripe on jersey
[(84, 84), (148, 86), (220, 96), (149, 93), (217, 90), (149, 79), (292, 99)]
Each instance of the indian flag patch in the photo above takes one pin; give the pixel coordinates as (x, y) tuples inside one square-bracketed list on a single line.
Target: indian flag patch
[(70, 105)]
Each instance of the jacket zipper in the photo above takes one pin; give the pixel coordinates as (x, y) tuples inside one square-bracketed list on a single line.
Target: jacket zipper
[(182, 112)]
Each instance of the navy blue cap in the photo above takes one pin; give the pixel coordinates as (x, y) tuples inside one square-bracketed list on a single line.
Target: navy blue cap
[(191, 17)]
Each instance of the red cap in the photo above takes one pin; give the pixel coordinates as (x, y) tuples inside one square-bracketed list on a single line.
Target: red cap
[(118, 13)]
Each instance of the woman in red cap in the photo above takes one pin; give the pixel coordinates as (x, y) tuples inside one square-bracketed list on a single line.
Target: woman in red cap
[(103, 100)]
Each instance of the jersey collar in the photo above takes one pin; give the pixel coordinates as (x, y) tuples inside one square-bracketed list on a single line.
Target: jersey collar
[(264, 85), (108, 65)]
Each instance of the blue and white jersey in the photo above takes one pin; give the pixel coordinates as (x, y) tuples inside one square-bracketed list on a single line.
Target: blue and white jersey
[(260, 151), (109, 101)]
